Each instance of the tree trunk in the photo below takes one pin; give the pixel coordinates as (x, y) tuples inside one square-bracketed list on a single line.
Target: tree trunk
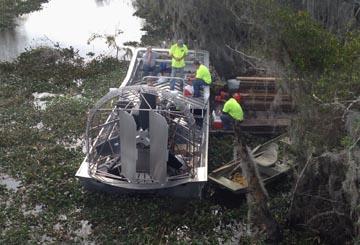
[(261, 222)]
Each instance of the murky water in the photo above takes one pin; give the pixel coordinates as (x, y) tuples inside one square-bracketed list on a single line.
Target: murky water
[(71, 23)]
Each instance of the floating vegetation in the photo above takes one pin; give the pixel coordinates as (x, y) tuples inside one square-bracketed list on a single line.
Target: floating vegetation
[(40, 101)]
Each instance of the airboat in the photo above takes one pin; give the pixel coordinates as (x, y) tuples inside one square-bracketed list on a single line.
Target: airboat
[(145, 138)]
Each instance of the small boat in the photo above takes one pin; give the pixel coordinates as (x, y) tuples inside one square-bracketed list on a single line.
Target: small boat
[(270, 168), (145, 138)]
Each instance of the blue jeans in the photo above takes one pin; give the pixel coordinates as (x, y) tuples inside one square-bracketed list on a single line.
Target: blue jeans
[(227, 121), (198, 84), (148, 70), (176, 72)]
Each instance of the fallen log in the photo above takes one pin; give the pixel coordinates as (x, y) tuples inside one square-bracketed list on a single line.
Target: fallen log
[(262, 224)]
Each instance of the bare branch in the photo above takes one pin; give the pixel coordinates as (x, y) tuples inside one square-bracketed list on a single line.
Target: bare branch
[(327, 213), (245, 58), (297, 183), (242, 53), (239, 19), (318, 197), (355, 143), (317, 99), (349, 106)]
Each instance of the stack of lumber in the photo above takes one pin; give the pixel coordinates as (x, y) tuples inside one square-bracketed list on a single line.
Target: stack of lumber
[(268, 108)]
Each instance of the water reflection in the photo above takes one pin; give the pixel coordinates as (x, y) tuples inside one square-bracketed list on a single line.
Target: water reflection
[(71, 23), (12, 42)]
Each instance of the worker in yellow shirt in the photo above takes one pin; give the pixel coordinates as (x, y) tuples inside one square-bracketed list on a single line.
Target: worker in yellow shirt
[(178, 52), (202, 78), (232, 112)]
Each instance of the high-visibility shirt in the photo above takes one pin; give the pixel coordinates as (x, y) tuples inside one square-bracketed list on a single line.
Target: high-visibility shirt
[(203, 73), (233, 108), (178, 52)]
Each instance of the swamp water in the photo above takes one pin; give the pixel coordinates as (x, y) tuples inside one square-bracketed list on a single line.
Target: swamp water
[(71, 23)]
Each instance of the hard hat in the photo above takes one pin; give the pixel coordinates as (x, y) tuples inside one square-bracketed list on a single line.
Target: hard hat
[(237, 97)]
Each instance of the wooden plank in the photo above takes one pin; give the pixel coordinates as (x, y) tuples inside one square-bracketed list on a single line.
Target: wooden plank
[(263, 122), (220, 131), (229, 184), (254, 82), (265, 106), (267, 103), (257, 78), (256, 126), (257, 87), (250, 130), (261, 95)]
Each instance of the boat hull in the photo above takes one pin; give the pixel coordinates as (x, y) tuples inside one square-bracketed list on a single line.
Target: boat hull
[(191, 190)]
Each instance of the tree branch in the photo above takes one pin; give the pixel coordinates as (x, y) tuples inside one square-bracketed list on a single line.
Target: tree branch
[(297, 183), (318, 197), (242, 53), (244, 56), (326, 214), (349, 106)]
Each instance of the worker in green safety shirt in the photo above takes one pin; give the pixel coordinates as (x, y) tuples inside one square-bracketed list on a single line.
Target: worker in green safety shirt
[(202, 78), (178, 52), (232, 112)]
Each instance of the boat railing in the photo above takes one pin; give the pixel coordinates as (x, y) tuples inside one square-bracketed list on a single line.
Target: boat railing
[(164, 82), (184, 137), (168, 60), (158, 80)]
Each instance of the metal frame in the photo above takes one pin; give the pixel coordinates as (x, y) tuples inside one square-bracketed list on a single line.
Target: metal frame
[(196, 140)]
